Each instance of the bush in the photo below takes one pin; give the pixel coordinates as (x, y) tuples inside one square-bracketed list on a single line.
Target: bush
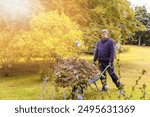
[(50, 36)]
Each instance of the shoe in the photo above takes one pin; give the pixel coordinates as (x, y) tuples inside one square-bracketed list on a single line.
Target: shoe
[(104, 88), (121, 92), (80, 97)]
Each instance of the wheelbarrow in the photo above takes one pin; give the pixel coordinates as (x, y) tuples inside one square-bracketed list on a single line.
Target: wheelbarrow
[(80, 89)]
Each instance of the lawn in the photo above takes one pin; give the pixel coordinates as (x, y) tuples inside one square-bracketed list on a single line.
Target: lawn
[(132, 64)]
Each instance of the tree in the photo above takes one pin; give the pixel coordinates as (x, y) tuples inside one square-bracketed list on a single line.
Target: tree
[(142, 37), (49, 37), (51, 31), (8, 53), (143, 16), (93, 15)]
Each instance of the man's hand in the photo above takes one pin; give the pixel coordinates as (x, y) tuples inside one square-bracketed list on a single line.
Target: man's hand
[(111, 65), (94, 63)]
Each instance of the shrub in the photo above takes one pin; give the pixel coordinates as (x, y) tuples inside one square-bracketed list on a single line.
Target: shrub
[(50, 36)]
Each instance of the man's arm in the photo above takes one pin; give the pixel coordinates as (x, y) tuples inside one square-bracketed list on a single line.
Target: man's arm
[(112, 52), (95, 54)]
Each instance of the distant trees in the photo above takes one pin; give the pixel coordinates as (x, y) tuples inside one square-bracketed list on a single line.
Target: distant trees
[(143, 16), (142, 37)]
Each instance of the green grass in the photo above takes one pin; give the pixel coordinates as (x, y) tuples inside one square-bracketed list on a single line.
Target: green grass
[(132, 64), (19, 87)]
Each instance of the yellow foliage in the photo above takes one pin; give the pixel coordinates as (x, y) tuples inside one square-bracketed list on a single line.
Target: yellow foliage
[(51, 31), (49, 34)]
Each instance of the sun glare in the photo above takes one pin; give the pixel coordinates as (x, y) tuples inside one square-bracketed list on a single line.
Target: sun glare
[(15, 9)]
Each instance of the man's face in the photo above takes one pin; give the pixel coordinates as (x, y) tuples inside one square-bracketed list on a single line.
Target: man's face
[(104, 35)]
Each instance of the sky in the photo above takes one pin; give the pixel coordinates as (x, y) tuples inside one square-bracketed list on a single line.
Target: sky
[(141, 3)]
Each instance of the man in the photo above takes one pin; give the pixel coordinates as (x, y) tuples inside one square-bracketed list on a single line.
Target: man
[(105, 52)]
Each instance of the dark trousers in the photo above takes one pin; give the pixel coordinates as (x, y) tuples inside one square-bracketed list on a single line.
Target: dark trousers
[(111, 72)]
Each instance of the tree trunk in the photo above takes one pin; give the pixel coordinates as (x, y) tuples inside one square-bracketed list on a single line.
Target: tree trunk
[(139, 43), (5, 71)]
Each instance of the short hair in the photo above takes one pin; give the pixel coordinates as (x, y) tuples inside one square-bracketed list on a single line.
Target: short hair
[(104, 31)]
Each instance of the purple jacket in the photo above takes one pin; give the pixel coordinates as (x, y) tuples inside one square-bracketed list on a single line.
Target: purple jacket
[(105, 51)]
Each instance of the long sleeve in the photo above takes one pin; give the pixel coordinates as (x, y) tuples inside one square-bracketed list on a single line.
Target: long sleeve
[(96, 53), (112, 52)]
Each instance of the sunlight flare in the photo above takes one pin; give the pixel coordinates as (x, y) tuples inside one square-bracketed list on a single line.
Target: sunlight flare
[(16, 9)]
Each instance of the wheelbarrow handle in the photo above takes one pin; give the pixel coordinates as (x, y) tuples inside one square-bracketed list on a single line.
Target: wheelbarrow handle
[(105, 70), (93, 80)]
